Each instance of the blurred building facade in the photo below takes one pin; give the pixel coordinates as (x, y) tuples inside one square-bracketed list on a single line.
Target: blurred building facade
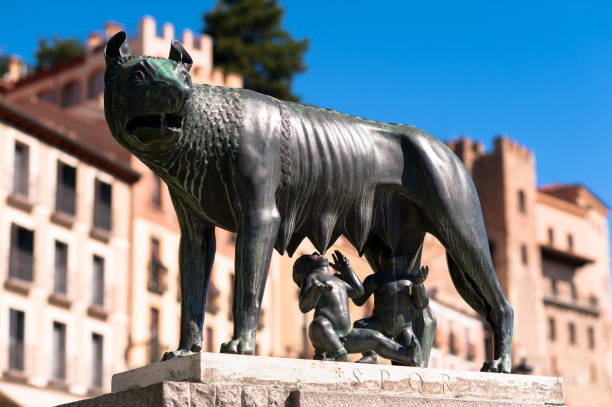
[(139, 241), (551, 252), (550, 249), (65, 250)]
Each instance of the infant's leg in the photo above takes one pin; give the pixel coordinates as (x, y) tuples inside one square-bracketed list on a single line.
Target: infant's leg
[(325, 340), (364, 340), (367, 323), (409, 340)]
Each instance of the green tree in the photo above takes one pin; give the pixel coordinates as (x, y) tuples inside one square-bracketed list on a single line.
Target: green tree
[(249, 40), (58, 51)]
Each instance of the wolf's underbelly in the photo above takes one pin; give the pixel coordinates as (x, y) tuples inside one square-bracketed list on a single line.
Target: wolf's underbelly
[(336, 169)]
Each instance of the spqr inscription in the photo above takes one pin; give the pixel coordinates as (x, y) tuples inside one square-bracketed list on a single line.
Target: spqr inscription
[(414, 382), (446, 381), (357, 374), (384, 376)]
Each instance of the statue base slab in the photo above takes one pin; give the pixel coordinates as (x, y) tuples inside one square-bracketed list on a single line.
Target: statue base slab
[(213, 379)]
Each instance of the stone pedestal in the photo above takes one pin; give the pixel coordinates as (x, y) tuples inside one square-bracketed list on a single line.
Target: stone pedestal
[(212, 379)]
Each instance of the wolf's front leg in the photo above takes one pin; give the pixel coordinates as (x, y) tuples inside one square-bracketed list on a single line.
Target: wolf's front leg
[(255, 241), (196, 256), (252, 180)]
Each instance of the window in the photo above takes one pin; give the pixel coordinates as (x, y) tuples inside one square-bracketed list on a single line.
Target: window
[(65, 192), (157, 270), (524, 258), (261, 320), (521, 201), (21, 170), (98, 281), (593, 373), (553, 287), (551, 236), (209, 340), (60, 277), (452, 346), (591, 335), (21, 262), (572, 333), (470, 351), (552, 332), (59, 351), (103, 206), (488, 343), (16, 340), (154, 347), (574, 291), (97, 342), (156, 191), (71, 94), (212, 298), (96, 85), (570, 242)]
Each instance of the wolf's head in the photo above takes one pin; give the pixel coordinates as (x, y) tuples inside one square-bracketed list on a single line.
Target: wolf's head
[(146, 98)]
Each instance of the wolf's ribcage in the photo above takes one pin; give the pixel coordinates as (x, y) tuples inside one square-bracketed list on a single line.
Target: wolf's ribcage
[(333, 165)]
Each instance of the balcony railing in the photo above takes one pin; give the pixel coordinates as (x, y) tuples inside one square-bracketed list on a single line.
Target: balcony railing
[(571, 304), (102, 217), (97, 297), (16, 356), (572, 260), (154, 350), (65, 200), (26, 361), (158, 281), (21, 265), (60, 281)]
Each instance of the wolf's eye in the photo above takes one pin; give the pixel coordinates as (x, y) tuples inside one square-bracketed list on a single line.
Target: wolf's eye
[(138, 76)]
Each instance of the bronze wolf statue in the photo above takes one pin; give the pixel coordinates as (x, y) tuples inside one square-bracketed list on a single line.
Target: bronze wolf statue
[(277, 172)]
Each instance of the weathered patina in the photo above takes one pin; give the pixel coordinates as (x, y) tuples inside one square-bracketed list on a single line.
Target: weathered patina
[(330, 331), (277, 172)]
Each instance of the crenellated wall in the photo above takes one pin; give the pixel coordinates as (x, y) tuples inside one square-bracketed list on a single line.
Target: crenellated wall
[(85, 73)]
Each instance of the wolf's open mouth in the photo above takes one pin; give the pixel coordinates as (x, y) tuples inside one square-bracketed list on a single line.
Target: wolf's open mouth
[(170, 121)]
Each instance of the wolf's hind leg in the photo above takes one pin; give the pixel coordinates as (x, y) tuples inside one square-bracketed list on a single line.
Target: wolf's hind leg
[(471, 269)]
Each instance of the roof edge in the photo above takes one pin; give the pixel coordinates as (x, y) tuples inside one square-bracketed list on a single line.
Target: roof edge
[(32, 126)]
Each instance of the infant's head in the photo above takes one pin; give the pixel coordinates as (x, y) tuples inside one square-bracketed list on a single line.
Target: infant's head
[(305, 264)]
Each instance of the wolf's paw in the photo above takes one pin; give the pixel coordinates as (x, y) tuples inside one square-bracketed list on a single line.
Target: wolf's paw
[(238, 346), (501, 365), (179, 353)]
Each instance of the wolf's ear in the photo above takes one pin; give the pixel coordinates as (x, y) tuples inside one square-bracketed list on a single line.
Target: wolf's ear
[(179, 54), (117, 46)]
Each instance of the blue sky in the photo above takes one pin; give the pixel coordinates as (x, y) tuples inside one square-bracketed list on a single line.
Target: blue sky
[(537, 71)]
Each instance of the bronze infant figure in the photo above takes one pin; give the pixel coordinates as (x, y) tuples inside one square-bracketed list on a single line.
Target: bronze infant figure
[(277, 172), (330, 330), (398, 295)]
